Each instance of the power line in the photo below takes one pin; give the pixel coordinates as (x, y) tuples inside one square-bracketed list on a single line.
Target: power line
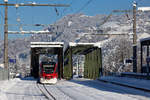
[(54, 5), (140, 2), (86, 4), (65, 9), (59, 15), (2, 14)]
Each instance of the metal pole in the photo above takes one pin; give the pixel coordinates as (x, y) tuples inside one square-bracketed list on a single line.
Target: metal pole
[(71, 62), (78, 65), (147, 68), (134, 39), (141, 58), (6, 37)]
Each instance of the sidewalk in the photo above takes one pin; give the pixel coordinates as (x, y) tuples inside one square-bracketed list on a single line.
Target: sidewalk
[(140, 84)]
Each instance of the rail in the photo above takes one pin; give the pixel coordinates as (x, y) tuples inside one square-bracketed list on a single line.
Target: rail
[(45, 92)]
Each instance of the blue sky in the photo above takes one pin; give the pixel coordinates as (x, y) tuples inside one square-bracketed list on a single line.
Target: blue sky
[(47, 15)]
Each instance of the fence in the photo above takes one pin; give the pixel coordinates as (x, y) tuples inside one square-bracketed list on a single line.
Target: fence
[(3, 74)]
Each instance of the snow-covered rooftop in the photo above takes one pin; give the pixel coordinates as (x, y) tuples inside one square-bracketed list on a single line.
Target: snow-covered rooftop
[(145, 39), (46, 44), (29, 32), (144, 8), (92, 44)]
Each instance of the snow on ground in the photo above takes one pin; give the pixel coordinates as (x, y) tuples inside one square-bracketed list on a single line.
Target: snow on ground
[(140, 83), (143, 35), (17, 89), (76, 89), (95, 90)]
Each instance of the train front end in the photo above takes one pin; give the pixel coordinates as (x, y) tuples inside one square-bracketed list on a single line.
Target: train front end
[(48, 73)]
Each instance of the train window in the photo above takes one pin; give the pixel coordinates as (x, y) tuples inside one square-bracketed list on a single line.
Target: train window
[(48, 66), (48, 69)]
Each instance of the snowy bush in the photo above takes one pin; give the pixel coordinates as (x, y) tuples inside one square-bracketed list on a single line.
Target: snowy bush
[(115, 51)]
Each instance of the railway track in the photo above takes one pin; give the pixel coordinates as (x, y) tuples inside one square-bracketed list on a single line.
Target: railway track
[(45, 92), (71, 98)]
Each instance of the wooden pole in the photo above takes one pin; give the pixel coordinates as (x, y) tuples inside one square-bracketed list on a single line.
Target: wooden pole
[(134, 39), (6, 39)]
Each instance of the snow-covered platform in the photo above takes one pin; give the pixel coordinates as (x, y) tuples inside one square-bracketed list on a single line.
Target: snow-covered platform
[(141, 84)]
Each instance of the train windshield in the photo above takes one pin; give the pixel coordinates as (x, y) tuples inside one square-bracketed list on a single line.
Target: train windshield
[(49, 69)]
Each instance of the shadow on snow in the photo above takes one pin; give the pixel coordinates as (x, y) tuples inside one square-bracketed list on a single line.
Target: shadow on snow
[(110, 87)]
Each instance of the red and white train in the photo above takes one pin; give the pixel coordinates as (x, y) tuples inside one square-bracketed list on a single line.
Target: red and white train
[(48, 72)]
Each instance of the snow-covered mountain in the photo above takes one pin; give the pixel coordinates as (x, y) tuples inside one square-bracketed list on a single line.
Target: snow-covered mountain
[(71, 28)]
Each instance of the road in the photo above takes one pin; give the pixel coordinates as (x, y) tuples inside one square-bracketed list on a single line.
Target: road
[(76, 89)]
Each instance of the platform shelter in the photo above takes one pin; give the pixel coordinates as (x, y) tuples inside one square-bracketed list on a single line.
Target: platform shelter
[(145, 60)]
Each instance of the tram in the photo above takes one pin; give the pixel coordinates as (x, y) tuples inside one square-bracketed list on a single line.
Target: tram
[(48, 72)]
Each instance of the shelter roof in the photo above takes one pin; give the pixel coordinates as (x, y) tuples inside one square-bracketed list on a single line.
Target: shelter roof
[(46, 44), (145, 39), (82, 48)]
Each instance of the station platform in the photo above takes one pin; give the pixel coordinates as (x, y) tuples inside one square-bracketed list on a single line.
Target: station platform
[(140, 84)]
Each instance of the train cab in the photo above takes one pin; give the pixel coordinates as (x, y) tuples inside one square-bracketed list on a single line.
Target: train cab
[(48, 72)]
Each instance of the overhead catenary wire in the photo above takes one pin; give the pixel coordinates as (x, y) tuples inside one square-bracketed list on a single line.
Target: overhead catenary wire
[(65, 9), (21, 4), (139, 1), (1, 14), (2, 17), (59, 15), (84, 6), (63, 14)]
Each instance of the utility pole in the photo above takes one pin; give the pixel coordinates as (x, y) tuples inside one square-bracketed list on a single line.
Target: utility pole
[(134, 35), (134, 39), (6, 36)]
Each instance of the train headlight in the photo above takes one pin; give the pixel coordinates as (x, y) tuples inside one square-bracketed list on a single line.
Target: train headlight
[(42, 79)]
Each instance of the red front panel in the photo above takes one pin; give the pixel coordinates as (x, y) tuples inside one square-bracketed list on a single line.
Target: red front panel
[(48, 75)]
